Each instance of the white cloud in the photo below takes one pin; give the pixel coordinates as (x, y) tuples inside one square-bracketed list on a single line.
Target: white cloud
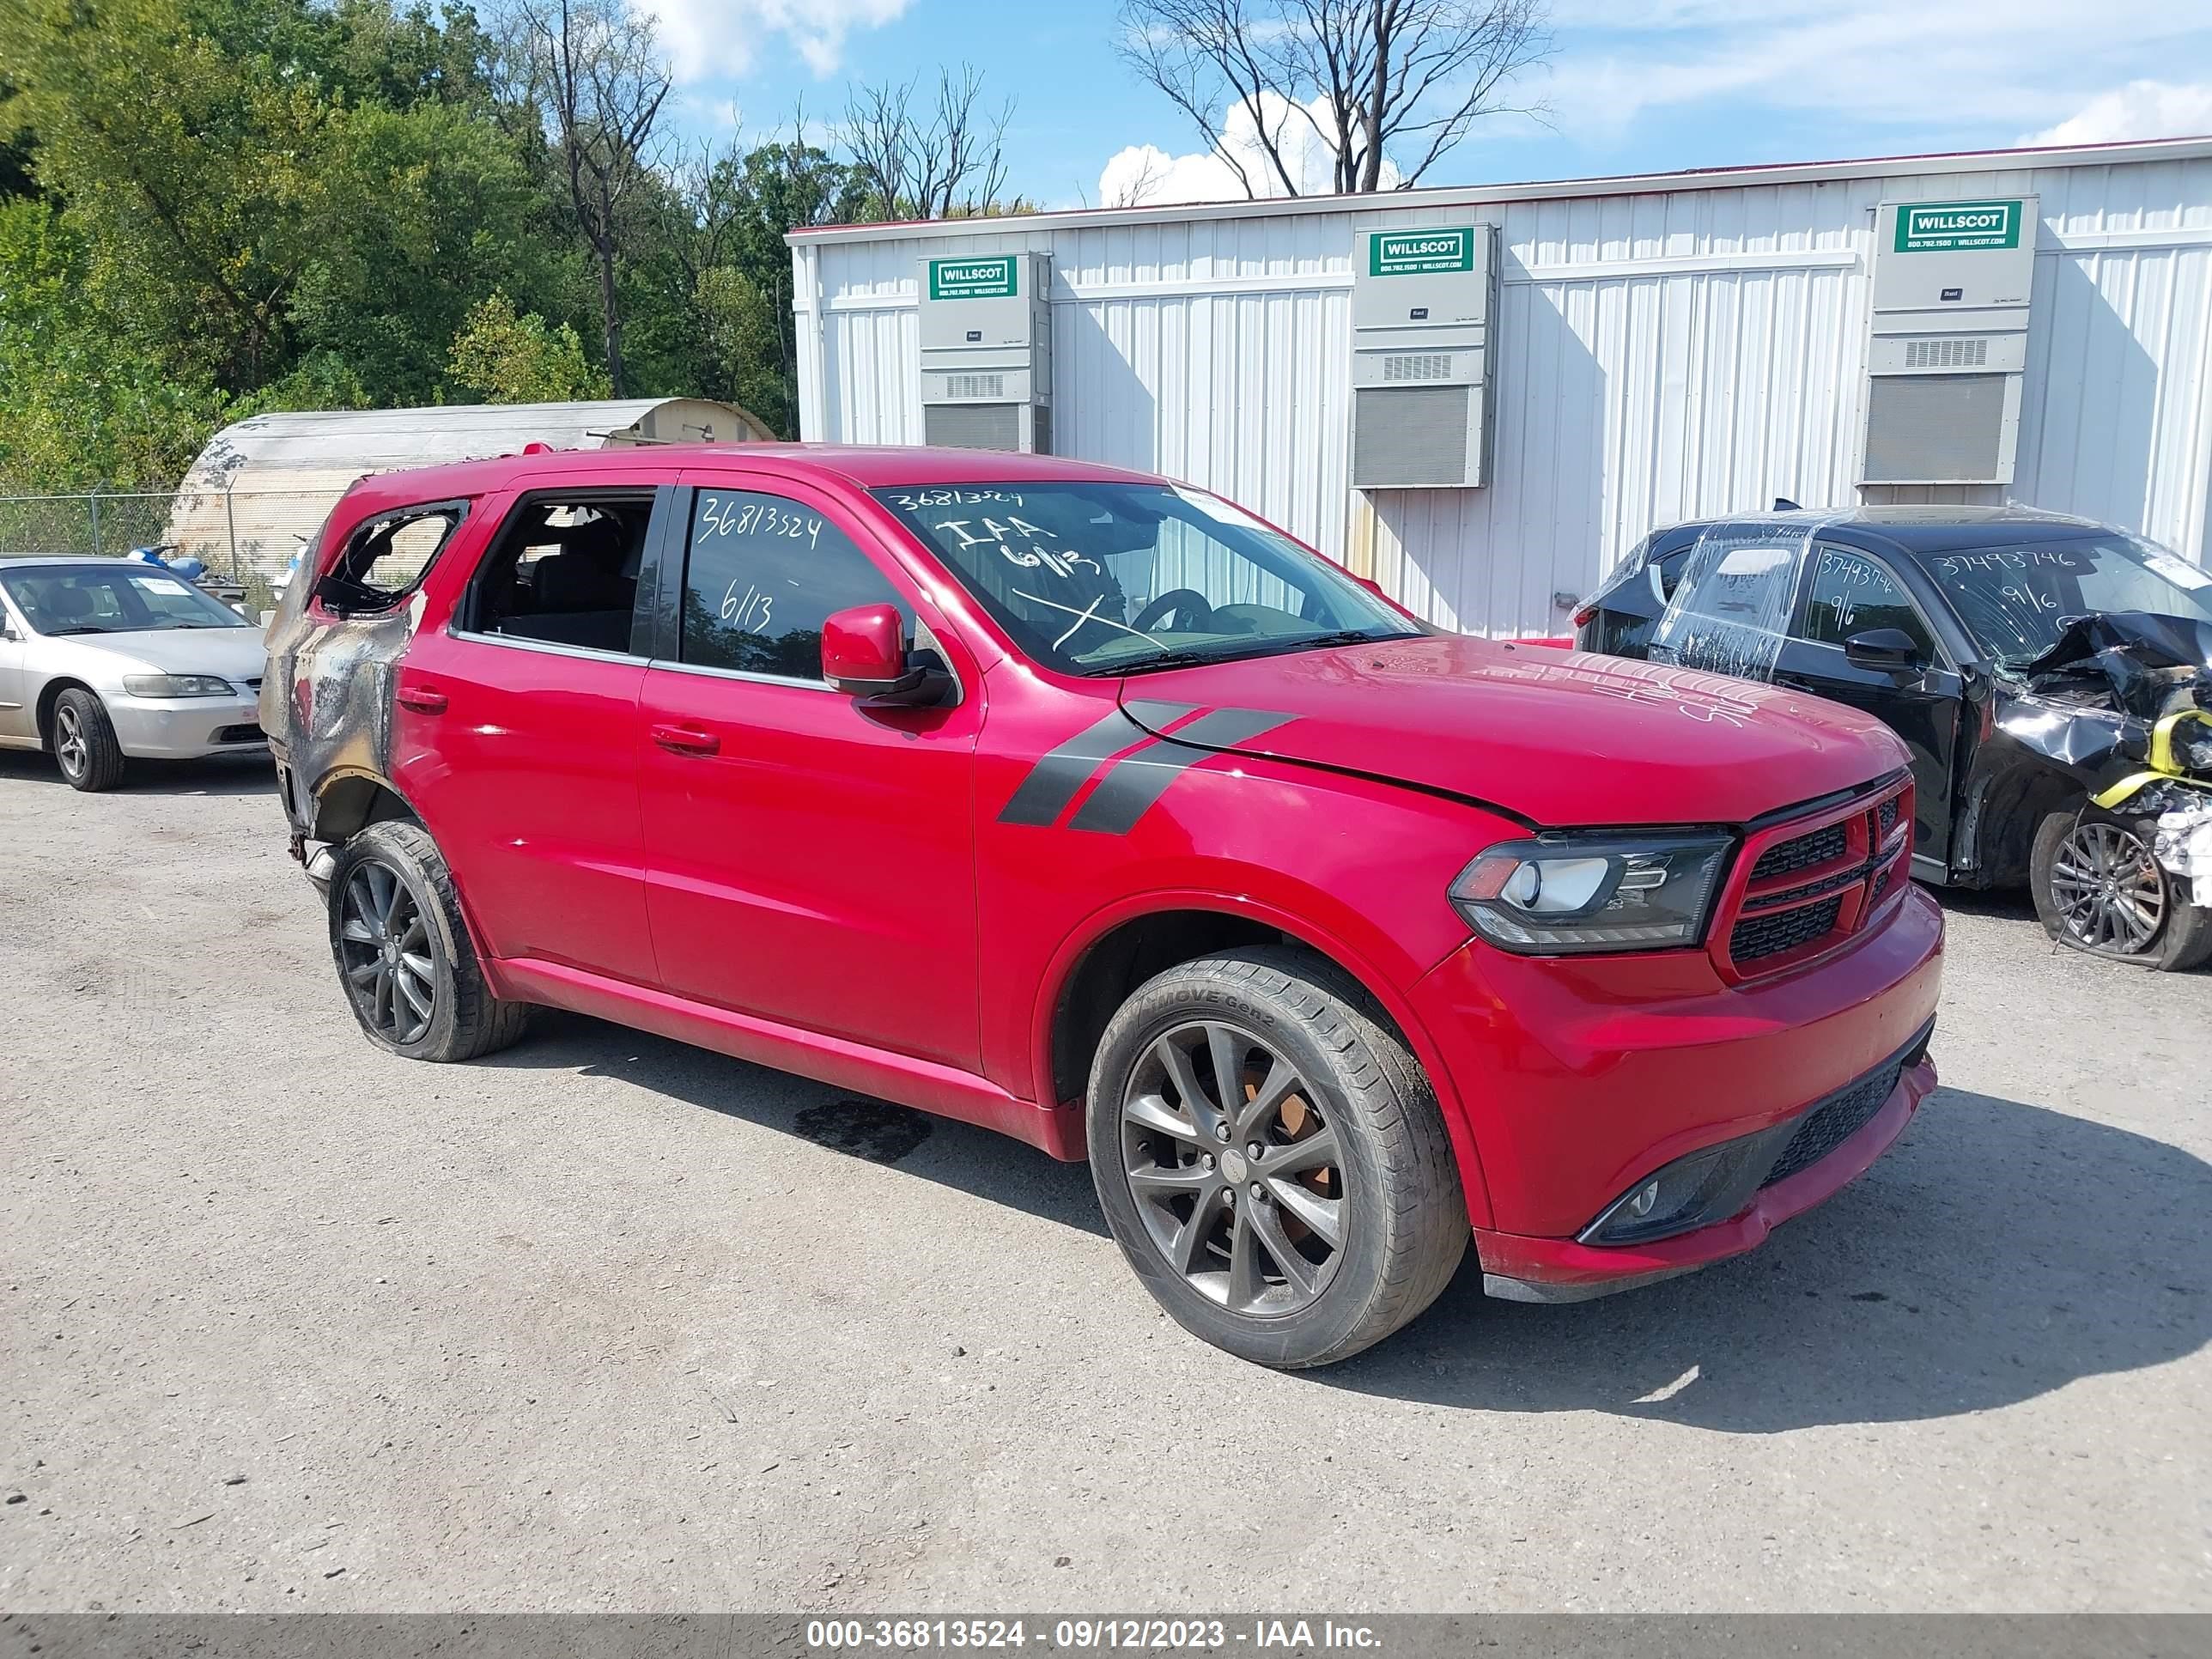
[(1922, 70), (708, 38), (2140, 109), (1143, 176)]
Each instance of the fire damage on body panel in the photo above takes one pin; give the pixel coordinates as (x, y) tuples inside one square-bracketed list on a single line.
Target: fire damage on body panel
[(334, 649)]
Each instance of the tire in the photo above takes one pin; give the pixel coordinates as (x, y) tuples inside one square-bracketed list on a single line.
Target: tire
[(1392, 1195), (389, 885), (83, 742), (2073, 848)]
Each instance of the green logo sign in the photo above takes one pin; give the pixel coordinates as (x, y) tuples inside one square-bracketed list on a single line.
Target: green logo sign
[(1947, 227), (971, 279), (1411, 252)]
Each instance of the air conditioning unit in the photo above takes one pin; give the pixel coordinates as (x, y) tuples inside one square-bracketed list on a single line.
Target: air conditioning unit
[(986, 352), (1947, 347), (1422, 302)]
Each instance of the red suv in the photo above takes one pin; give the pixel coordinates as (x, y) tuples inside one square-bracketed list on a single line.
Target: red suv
[(1089, 808)]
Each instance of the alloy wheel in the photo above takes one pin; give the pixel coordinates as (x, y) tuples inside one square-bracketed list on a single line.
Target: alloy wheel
[(2109, 891), (1238, 1177), (71, 748), (383, 946)]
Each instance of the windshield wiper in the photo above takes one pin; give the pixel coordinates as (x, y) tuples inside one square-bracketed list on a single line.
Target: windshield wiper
[(79, 627), (1244, 651)]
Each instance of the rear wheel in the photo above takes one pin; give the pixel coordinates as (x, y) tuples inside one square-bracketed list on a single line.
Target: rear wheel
[(1271, 1159), (85, 746), (2098, 888), (404, 954)]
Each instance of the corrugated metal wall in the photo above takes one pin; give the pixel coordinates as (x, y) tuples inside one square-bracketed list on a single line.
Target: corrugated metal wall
[(1660, 357)]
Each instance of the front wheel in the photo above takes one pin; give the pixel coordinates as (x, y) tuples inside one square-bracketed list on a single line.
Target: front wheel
[(1271, 1159), (85, 746), (2098, 888), (404, 954)]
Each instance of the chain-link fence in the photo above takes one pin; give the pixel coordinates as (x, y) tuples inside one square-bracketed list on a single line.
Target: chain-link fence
[(238, 534)]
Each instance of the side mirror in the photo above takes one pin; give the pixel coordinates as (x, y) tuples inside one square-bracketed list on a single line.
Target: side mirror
[(1885, 650), (863, 655)]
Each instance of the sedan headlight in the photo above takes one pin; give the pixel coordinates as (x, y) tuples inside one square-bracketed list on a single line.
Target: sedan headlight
[(1594, 890), (175, 685)]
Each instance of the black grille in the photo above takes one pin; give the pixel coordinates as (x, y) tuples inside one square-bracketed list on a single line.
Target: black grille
[(1766, 936), (1826, 1128), (1886, 819), (1880, 884), (1814, 888), (239, 734), (1800, 853)]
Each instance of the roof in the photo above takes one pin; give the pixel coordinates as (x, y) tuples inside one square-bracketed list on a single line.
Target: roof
[(1631, 184), (347, 442), (17, 560), (868, 467), (1926, 528)]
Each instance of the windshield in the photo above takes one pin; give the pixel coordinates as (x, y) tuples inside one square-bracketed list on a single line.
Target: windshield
[(118, 600), (2014, 600), (1117, 578)]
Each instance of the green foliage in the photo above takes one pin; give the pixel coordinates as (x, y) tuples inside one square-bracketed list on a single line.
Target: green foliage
[(213, 208), (508, 359)]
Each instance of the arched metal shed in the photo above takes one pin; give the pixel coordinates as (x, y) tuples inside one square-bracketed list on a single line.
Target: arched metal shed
[(260, 488)]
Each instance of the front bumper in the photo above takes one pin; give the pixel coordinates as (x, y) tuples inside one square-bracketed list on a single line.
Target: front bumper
[(1579, 1078), (186, 729), (1522, 1269)]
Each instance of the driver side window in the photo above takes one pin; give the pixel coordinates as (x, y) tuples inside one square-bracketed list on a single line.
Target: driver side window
[(1853, 592)]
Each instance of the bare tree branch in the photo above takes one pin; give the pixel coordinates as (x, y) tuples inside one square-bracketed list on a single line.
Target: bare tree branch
[(1388, 85), (950, 161), (596, 69)]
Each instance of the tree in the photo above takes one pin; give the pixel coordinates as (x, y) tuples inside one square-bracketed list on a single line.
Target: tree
[(948, 163), (1391, 86), (507, 358), (596, 69)]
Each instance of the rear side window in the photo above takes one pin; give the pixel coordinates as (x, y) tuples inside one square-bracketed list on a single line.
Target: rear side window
[(386, 559), (1853, 594), (761, 575)]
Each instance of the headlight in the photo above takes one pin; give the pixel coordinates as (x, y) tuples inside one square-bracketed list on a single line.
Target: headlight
[(1593, 890), (175, 685)]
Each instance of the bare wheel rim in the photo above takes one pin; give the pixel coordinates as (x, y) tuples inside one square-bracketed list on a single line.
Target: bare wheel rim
[(1236, 1169), (2109, 891), (71, 748), (384, 952)]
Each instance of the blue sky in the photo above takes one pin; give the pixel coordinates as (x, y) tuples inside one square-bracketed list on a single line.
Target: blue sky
[(1633, 87)]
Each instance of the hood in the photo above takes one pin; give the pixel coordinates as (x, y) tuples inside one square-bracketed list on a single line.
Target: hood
[(2141, 663), (235, 653), (1559, 738)]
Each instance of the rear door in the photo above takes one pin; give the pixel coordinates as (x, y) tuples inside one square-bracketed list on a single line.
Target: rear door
[(517, 731), (812, 858), (1850, 590)]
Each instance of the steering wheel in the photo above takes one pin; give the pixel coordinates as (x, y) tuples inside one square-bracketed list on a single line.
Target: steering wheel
[(1192, 607)]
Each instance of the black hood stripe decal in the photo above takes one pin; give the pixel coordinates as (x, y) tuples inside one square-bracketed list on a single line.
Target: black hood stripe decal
[(1054, 781), (1133, 783)]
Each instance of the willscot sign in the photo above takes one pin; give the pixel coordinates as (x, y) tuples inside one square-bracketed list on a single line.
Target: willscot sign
[(1411, 252), (1947, 227), (971, 279)]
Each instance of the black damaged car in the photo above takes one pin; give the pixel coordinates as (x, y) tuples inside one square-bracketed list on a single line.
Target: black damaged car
[(2051, 676)]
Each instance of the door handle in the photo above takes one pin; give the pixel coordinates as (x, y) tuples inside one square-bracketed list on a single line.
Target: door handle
[(685, 740), (423, 699)]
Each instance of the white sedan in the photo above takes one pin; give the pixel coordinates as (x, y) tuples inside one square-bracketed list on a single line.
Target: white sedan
[(105, 660)]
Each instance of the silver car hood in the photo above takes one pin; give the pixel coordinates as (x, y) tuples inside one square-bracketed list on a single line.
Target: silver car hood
[(237, 654)]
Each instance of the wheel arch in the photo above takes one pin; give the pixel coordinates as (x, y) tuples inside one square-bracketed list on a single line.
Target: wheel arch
[(2007, 806), (49, 694), (348, 800), (1122, 947)]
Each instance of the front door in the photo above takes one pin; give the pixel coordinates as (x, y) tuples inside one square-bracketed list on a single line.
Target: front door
[(1848, 591), (518, 727), (811, 861)]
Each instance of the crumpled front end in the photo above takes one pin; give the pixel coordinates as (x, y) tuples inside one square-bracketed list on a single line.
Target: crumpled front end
[(2122, 704)]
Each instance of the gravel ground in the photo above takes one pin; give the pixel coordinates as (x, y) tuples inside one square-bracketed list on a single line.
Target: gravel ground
[(609, 1323)]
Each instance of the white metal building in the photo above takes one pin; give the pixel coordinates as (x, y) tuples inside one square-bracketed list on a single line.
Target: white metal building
[(1659, 347)]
